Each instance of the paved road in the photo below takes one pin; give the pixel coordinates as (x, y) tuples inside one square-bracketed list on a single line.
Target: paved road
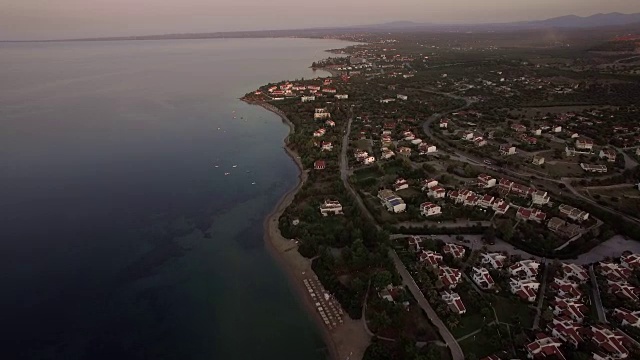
[(344, 175), (543, 288), (452, 344), (596, 296)]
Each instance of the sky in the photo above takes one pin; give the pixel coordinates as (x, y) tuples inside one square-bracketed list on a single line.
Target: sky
[(56, 19)]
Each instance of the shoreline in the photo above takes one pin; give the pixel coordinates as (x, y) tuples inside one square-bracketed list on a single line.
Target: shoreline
[(296, 266)]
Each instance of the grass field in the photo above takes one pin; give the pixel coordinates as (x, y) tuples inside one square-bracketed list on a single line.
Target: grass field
[(507, 308), (481, 344)]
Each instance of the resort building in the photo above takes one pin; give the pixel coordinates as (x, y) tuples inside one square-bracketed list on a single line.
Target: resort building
[(330, 207), (454, 302), (430, 209), (482, 278)]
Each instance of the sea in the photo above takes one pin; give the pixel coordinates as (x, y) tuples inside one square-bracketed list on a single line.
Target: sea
[(121, 237)]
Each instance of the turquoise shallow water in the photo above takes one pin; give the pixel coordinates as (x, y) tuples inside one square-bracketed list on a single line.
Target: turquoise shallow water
[(108, 187)]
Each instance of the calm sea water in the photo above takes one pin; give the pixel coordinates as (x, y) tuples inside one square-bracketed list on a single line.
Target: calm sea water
[(108, 188)]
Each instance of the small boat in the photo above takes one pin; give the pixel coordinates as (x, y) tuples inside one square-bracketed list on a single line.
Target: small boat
[(218, 128), (217, 166), (253, 183), (235, 166), (225, 174)]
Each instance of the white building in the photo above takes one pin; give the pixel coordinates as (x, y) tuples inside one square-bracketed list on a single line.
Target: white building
[(308, 98), (331, 207), (392, 202), (403, 97), (430, 209)]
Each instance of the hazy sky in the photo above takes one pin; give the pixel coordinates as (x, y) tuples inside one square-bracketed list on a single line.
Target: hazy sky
[(48, 19)]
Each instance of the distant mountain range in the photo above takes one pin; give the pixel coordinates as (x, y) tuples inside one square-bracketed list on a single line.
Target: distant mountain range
[(569, 21)]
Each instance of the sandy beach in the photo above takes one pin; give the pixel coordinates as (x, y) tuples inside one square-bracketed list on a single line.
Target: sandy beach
[(347, 341)]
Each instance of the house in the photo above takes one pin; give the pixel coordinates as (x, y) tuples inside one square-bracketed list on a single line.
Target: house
[(454, 302), (321, 114), (330, 123), (557, 129), (369, 160), (341, 96), (326, 146), (521, 190), (566, 289), (627, 317), (428, 184), (430, 209), (444, 123), (518, 128), (567, 331), (329, 90), (403, 97), (573, 213), (496, 260), (610, 342), (575, 272), (319, 132), (307, 98), (330, 207), (400, 184), (536, 132), (593, 168), (417, 141), (624, 290), (480, 142), (485, 181), (507, 150), (563, 228), (387, 101), (544, 347), (450, 277), (430, 258), (584, 144), (486, 201), (468, 135), (500, 206), (524, 269), (425, 148), (505, 185), (360, 155), (540, 197), (471, 200), (404, 151), (532, 214), (456, 251), (414, 243), (608, 154), (525, 289), (538, 160), (392, 202), (614, 271), (482, 278), (631, 261), (573, 310), (408, 136), (387, 154), (437, 192), (319, 165)]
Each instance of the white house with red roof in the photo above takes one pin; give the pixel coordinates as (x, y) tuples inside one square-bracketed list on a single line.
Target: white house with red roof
[(526, 290), (404, 151), (532, 214), (613, 271), (482, 278), (505, 184), (437, 192), (610, 342), (608, 154), (471, 200), (575, 310), (428, 184), (319, 165), (320, 132), (369, 160), (408, 136), (507, 150), (430, 258), (543, 347), (576, 272), (454, 301), (330, 123), (566, 289), (486, 201), (500, 206), (425, 148), (627, 317), (631, 261), (624, 290), (496, 260), (450, 277), (455, 250), (326, 146), (415, 243), (567, 331), (584, 144), (400, 184), (444, 123), (525, 269), (430, 209)]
